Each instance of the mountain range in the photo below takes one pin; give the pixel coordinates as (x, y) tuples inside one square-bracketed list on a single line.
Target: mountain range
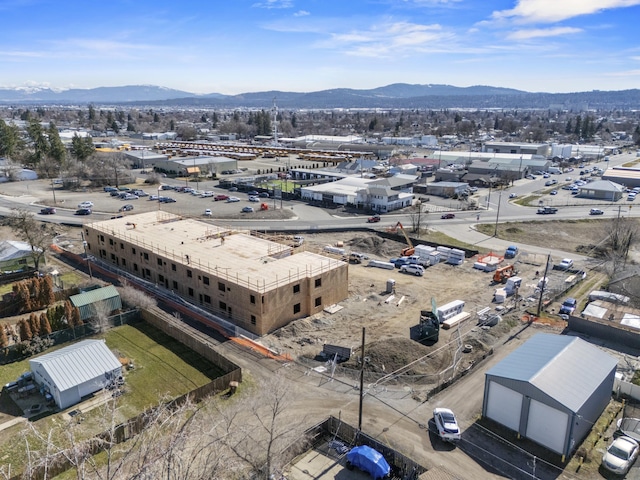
[(398, 95)]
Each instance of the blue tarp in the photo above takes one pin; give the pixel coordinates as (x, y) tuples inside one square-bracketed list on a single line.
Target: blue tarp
[(369, 460)]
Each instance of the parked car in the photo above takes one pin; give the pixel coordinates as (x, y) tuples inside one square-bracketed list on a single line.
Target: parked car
[(47, 211), (447, 216), (373, 219), (233, 189), (568, 306), (114, 193), (553, 192), (263, 195), (254, 198), (167, 187), (446, 425), (166, 200), (232, 199), (124, 189), (153, 197), (620, 455), (140, 193), (86, 204), (417, 270), (247, 210), (130, 196), (565, 264), (110, 189), (511, 251), (513, 195), (596, 211), (83, 211), (220, 197), (126, 208), (207, 194), (207, 212), (400, 261), (252, 193)]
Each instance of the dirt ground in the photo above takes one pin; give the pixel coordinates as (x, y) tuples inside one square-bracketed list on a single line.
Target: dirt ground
[(387, 318)]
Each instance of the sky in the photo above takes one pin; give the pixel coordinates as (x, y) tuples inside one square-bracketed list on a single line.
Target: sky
[(237, 46)]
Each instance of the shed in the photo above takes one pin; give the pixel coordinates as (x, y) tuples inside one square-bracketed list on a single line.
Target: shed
[(551, 390), (15, 255), (90, 302), (76, 371)]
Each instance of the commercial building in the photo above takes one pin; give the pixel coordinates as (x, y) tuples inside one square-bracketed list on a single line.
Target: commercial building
[(627, 176), (76, 371), (195, 165), (257, 284), (550, 390), (602, 190)]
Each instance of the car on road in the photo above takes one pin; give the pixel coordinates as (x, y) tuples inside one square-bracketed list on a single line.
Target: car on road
[(447, 216), (373, 219), (565, 264), (620, 455), (207, 212), (232, 199), (596, 211), (568, 306), (553, 192), (446, 425), (513, 195), (126, 208), (247, 210), (417, 270), (47, 211), (547, 210), (220, 197), (83, 211), (86, 204)]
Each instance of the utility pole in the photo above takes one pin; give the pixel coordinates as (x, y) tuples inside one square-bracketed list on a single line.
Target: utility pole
[(495, 232), (544, 284), (84, 244), (361, 382)]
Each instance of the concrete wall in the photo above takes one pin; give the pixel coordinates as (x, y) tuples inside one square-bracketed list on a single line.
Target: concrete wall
[(611, 331)]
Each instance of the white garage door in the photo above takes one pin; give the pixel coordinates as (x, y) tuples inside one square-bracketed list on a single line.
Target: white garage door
[(547, 426), (504, 406)]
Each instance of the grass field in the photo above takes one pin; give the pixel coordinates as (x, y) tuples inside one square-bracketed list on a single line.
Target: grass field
[(164, 369)]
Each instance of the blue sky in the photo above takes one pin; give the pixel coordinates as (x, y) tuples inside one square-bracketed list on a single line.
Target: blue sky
[(235, 46)]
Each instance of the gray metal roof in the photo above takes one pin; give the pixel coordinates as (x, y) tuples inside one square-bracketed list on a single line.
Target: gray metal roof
[(603, 185), (73, 365), (567, 369), (93, 296)]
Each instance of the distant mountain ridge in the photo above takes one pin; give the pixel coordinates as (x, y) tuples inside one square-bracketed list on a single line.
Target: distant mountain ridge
[(397, 95)]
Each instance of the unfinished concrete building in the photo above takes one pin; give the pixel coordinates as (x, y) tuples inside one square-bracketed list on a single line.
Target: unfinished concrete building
[(255, 283)]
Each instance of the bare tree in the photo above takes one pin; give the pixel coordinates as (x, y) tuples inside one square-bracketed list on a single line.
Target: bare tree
[(133, 297), (257, 429), (418, 218), (621, 235), (100, 318), (38, 235)]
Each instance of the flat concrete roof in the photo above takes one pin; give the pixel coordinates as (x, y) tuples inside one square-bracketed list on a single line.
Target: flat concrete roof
[(234, 254)]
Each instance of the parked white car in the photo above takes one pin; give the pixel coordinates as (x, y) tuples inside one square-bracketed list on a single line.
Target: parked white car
[(207, 194), (446, 425), (620, 455), (565, 264), (417, 270), (86, 204), (232, 199)]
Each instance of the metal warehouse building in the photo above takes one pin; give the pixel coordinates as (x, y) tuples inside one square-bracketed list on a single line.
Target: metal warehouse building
[(550, 390), (75, 371)]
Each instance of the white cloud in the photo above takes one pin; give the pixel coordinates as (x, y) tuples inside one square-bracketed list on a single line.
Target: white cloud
[(549, 11), (389, 39), (274, 4), (301, 13), (542, 33)]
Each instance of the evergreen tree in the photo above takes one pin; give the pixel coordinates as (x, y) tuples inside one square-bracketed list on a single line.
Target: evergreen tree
[(82, 148), (4, 341), (25, 330), (34, 324), (578, 128), (47, 295), (34, 293), (45, 327), (68, 313)]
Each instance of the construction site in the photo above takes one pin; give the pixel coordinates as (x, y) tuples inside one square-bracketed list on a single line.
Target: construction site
[(394, 308)]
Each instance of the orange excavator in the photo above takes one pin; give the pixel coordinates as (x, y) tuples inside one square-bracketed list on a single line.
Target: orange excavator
[(501, 274), (410, 249)]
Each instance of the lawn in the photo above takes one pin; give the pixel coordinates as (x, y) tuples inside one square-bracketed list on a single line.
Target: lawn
[(164, 369)]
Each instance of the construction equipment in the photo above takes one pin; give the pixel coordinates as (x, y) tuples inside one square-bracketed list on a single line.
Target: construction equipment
[(429, 327), (264, 206), (409, 250), (502, 274)]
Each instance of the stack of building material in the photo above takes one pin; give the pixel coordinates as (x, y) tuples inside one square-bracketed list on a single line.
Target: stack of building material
[(460, 317), (456, 257), (500, 295), (444, 252), (380, 264), (449, 310), (434, 258)]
